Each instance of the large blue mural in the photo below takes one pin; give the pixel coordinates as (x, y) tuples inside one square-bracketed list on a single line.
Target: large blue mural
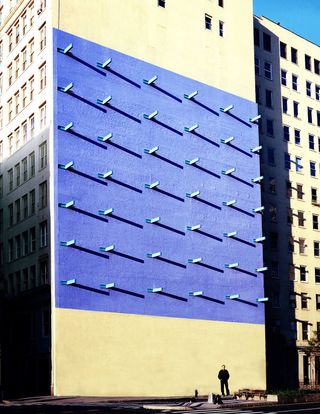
[(157, 190)]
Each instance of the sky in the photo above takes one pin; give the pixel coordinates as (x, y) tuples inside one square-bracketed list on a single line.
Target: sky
[(299, 16)]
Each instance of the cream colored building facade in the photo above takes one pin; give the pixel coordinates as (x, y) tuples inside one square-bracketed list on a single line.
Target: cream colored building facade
[(288, 92)]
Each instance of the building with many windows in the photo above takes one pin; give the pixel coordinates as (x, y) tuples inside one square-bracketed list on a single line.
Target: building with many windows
[(287, 69), (142, 143)]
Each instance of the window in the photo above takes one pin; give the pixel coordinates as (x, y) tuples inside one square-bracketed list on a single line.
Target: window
[(43, 77), (297, 137), (300, 218), (162, 3), (287, 161), (1, 150), (274, 269), (43, 195), (11, 144), (300, 192), (17, 137), (17, 174), (283, 77), (31, 14), (43, 155), (289, 216), (317, 274), (31, 50), (24, 95), (311, 142), (31, 125), (10, 112), (307, 62), (18, 210), (25, 243), (43, 234), (273, 213), (295, 82), (31, 88), (295, 109), (313, 172), (314, 195), (25, 206), (286, 133), (305, 331), (221, 28), (298, 164), (266, 42), (24, 132), (304, 301), (271, 158), (283, 50), (308, 88), (290, 244), (303, 273), (43, 38), (32, 164), (257, 66), (10, 77), (10, 43), (269, 127), (10, 179), (32, 198), (17, 102), (309, 113), (44, 275), (289, 189), (316, 67), (268, 70), (208, 21), (17, 240), (269, 99), (318, 302), (24, 24), (10, 250), (256, 37), (273, 240), (17, 30), (33, 276), (17, 66), (316, 247), (284, 105), (32, 239), (43, 115), (10, 214), (294, 55), (220, 2), (318, 118), (315, 222), (317, 90)]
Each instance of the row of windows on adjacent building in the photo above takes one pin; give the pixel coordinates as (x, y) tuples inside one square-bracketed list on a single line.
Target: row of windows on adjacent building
[(292, 191), (26, 243), (295, 218), (295, 244), (25, 131), (27, 278), (24, 207), (264, 40), (296, 273)]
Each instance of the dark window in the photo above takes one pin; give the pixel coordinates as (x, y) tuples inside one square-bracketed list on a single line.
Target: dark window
[(316, 247), (273, 240), (311, 142), (284, 105), (297, 137), (267, 42), (314, 195), (317, 67), (303, 274), (295, 109), (220, 2), (162, 3), (309, 115), (287, 161), (268, 70), (295, 82), (208, 21), (294, 55), (304, 301), (315, 222), (300, 191), (289, 189), (269, 100), (313, 171), (317, 91), (221, 28), (308, 88), (286, 133), (317, 274), (270, 129), (318, 118), (283, 77), (289, 216), (307, 62), (290, 244), (305, 335), (256, 37), (318, 302), (283, 50), (301, 218)]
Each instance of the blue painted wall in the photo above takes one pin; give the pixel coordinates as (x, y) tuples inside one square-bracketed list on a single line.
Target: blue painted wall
[(128, 266)]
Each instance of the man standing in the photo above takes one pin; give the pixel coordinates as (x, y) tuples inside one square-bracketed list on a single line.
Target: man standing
[(223, 377)]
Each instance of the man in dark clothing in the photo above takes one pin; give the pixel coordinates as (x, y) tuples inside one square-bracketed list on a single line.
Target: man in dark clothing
[(223, 377)]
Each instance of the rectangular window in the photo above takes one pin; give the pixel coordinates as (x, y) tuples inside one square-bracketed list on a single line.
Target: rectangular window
[(24, 24), (294, 55), (31, 50), (298, 164), (271, 158), (283, 50), (317, 274), (300, 192), (43, 37), (273, 212), (305, 331), (43, 195), (309, 113), (44, 274), (10, 250), (318, 302), (314, 195), (25, 279), (316, 247), (295, 109), (25, 243), (307, 61), (257, 66), (10, 112), (308, 88), (25, 206), (10, 179), (283, 77), (32, 164), (288, 189), (162, 3), (313, 171), (24, 95), (10, 42), (286, 133), (17, 30), (17, 240), (17, 66), (221, 28), (17, 102), (32, 198), (284, 105), (304, 301), (318, 118), (33, 276), (24, 132), (17, 174), (270, 129), (256, 37), (43, 115), (287, 161), (268, 70), (266, 42), (31, 88), (32, 239), (17, 137), (10, 214), (315, 222), (208, 21), (220, 2), (316, 67), (31, 125), (43, 234), (297, 137), (269, 99), (18, 210), (317, 90), (300, 218), (43, 155), (303, 273), (311, 142), (295, 82)]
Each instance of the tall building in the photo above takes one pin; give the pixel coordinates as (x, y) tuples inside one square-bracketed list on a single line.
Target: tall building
[(287, 71), (141, 140)]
